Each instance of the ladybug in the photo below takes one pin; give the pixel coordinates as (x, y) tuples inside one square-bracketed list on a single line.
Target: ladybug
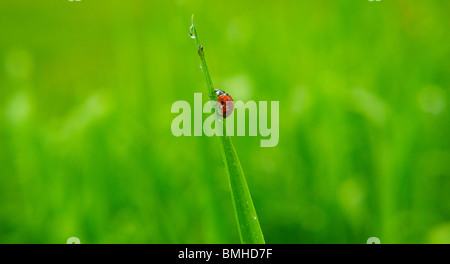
[(226, 103)]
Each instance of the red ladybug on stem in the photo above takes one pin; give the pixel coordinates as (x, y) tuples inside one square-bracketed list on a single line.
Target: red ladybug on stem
[(226, 103)]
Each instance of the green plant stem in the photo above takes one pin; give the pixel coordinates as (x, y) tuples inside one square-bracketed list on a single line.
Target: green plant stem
[(248, 224)]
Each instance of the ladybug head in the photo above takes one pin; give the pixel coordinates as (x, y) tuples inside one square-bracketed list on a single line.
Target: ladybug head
[(219, 92)]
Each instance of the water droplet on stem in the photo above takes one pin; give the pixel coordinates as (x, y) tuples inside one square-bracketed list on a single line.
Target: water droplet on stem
[(191, 31)]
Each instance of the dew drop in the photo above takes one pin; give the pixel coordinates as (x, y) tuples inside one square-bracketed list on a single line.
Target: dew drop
[(192, 32)]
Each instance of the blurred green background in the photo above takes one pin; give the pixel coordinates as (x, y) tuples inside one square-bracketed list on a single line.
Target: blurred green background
[(86, 148)]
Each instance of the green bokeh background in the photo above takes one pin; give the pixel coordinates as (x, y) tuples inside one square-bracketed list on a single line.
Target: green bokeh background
[(86, 148)]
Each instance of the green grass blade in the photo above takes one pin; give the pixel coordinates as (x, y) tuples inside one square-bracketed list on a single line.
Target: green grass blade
[(248, 223)]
